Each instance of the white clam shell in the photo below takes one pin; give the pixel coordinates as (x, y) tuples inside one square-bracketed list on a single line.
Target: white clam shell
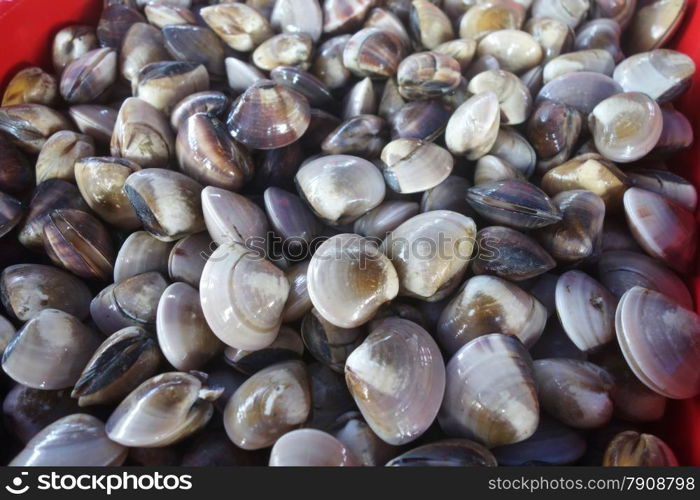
[(473, 127), (233, 218), (310, 448)]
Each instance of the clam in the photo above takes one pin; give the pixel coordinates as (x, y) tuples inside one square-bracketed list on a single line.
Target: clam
[(100, 180), (211, 102), (620, 270), (183, 334), (131, 302), (242, 27), (30, 85), (579, 234), (388, 21), (590, 60), (70, 43), (668, 184), (601, 34), (429, 25), (514, 148), (89, 77), (397, 378), (586, 310), (509, 254), (676, 134), (167, 203), (359, 438), (663, 228), (361, 135), (328, 64), (77, 241), (515, 203), (298, 303), (633, 449), (516, 51), (486, 17), (16, 173), (425, 75), (208, 154), (380, 221), (357, 187), (553, 130), (294, 16), (446, 453), (554, 342), (115, 21), (188, 256), (431, 252), (197, 45), (461, 50), (268, 116), (617, 236), (75, 440), (123, 361), (94, 120), (242, 297), (164, 84), (11, 211), (285, 49), (626, 126), (421, 120), (572, 12), (141, 253), (304, 83), (653, 24), (287, 346), (591, 173), (28, 126), (659, 339), (49, 351), (163, 410), (554, 35), (373, 52), (269, 404), (618, 10), (59, 153), (142, 45), (28, 289), (241, 75), (329, 396), (473, 127), (290, 218), (487, 304), (233, 218), (340, 16), (480, 64), (513, 96), (580, 90), (161, 15), (543, 289), (413, 165), (310, 448), (490, 168), (490, 394), (143, 135), (551, 444)]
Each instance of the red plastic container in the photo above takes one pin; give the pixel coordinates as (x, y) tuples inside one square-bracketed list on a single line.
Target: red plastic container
[(27, 28)]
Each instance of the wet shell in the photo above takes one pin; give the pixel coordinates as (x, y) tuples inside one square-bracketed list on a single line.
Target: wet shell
[(340, 16), (298, 16), (425, 75), (653, 24), (183, 334), (592, 60), (386, 20), (287, 346), (70, 43), (7, 331), (11, 211), (660, 341), (164, 84), (167, 203), (197, 45), (572, 12), (298, 302), (421, 120), (89, 77), (473, 127), (310, 448), (78, 440), (483, 18), (27, 289), (580, 90), (242, 297), (211, 102), (328, 64), (461, 50), (94, 120), (304, 83), (269, 404), (188, 256), (59, 153), (378, 222), (242, 28), (516, 51), (49, 351), (359, 438), (490, 394), (373, 52), (30, 85), (100, 180), (357, 186), (268, 116), (16, 173), (553, 130), (361, 135), (429, 25), (664, 229), (397, 378), (661, 74), (513, 96), (490, 168), (414, 166), (633, 449), (286, 49), (328, 343), (163, 410), (119, 365), (290, 218), (514, 148), (554, 35), (142, 45), (360, 100), (446, 453), (601, 34), (141, 253), (115, 21), (28, 126), (233, 218)]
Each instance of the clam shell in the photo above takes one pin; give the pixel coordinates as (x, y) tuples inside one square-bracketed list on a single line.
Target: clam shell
[(487, 304), (373, 52), (554, 342), (490, 168), (359, 438), (304, 83), (242, 297), (16, 174), (483, 18), (70, 43), (298, 303), (30, 85), (290, 218), (115, 21), (397, 379), (11, 211), (320, 449), (421, 120), (142, 45), (49, 351), (287, 346), (89, 77), (161, 411), (197, 45), (360, 100), (653, 24), (328, 64), (676, 134), (591, 60), (461, 50), (380, 221), (490, 394), (516, 51), (448, 195), (329, 396), (233, 218), (28, 126), (269, 404), (664, 229), (7, 331), (473, 127), (241, 75), (620, 11), (242, 27), (340, 16), (388, 21), (631, 448), (601, 34), (119, 365), (553, 130), (446, 453), (161, 15), (59, 153), (554, 35), (183, 334), (429, 25), (94, 120), (295, 16), (361, 135), (425, 75), (572, 12), (78, 440), (188, 256), (27, 289), (581, 90), (141, 253), (414, 166), (285, 49), (164, 84), (211, 102), (514, 148), (513, 96), (425, 270), (659, 340)]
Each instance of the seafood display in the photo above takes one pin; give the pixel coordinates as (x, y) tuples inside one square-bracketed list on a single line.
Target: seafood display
[(349, 233)]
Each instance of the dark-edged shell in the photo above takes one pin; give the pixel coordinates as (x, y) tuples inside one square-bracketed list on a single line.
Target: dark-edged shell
[(141, 253), (287, 346), (424, 75), (632, 449), (373, 52), (164, 84), (446, 453), (28, 126), (70, 43), (89, 77), (242, 27)]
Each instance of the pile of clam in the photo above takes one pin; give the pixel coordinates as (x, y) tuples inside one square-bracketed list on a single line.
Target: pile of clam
[(348, 232)]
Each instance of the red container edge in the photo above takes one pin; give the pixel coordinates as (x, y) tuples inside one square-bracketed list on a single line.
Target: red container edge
[(28, 27)]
